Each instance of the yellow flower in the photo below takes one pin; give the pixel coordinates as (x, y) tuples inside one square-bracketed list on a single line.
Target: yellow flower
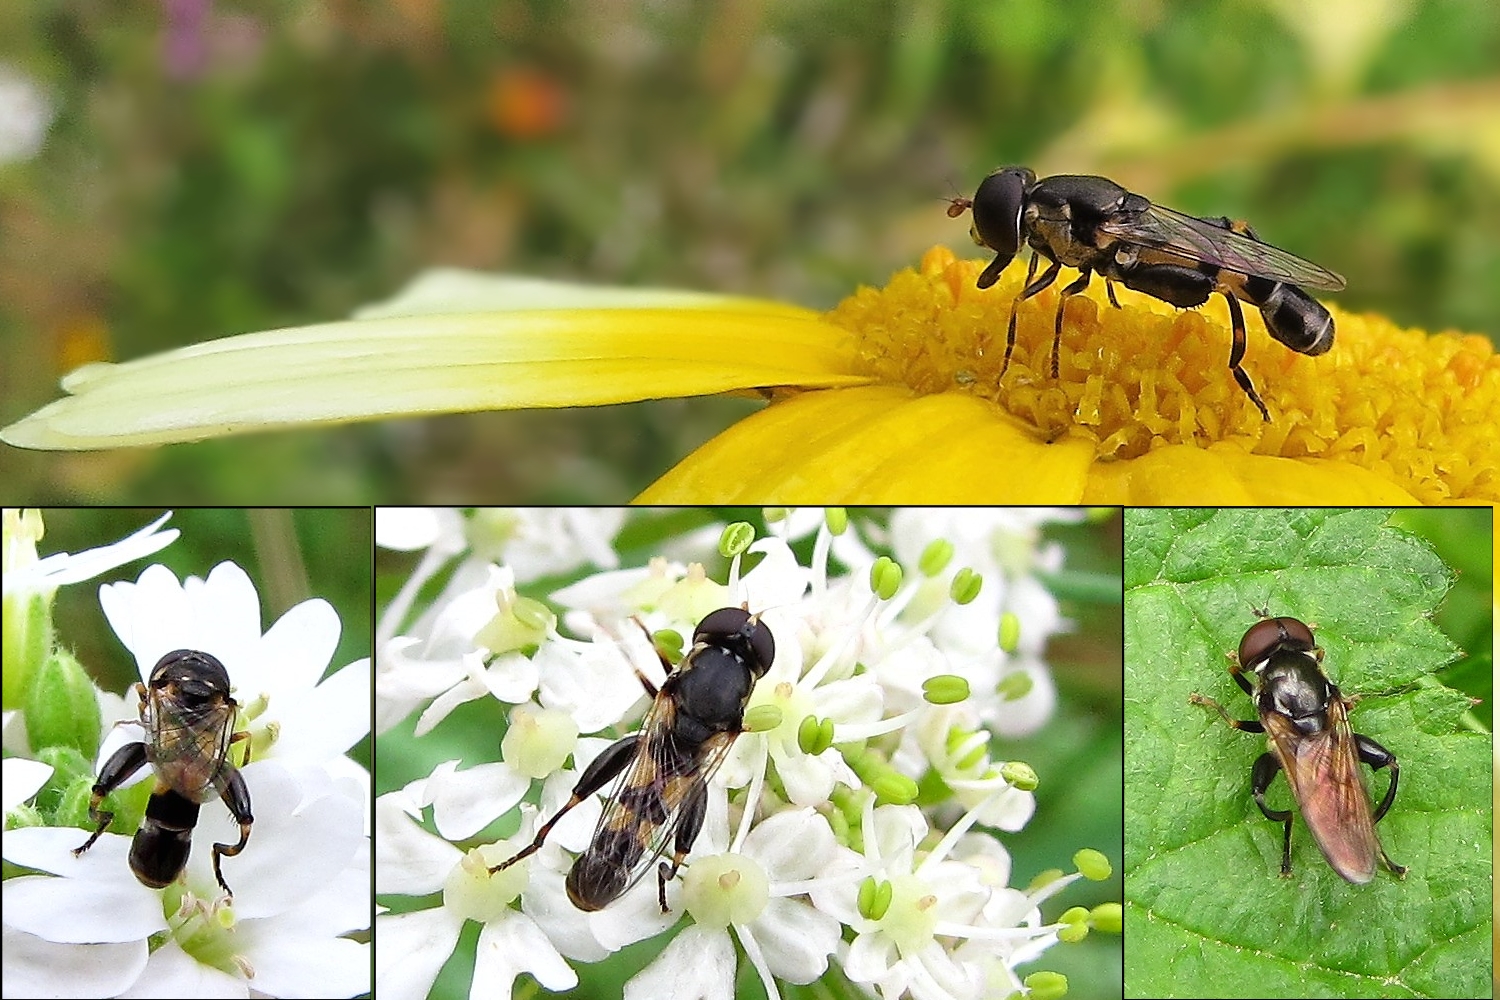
[(894, 395)]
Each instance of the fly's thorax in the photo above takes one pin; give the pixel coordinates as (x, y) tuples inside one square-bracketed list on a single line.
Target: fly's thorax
[(712, 687), (1293, 685)]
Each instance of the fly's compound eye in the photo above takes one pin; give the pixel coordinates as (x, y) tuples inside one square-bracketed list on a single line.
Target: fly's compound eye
[(1268, 635), (997, 209), (763, 646), (737, 629), (197, 677), (720, 625)]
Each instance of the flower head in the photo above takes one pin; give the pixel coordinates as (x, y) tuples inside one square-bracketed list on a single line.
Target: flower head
[(300, 882), (898, 393), (763, 856)]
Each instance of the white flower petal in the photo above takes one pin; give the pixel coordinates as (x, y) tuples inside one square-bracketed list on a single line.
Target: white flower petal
[(792, 845), (80, 910), (35, 967), (410, 861), (513, 945), (465, 802), (303, 836), (329, 719), (413, 949), (870, 957), (697, 965), (796, 939), (22, 779), (292, 964), (172, 972)]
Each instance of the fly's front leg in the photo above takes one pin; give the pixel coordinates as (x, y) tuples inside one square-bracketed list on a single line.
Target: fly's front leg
[(1032, 288), (598, 774), (231, 786), (116, 771), (694, 808), (1261, 776), (1246, 725)]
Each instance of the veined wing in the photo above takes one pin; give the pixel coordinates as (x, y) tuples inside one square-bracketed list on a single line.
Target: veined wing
[(189, 746), (1323, 770), (645, 808), (1196, 240)]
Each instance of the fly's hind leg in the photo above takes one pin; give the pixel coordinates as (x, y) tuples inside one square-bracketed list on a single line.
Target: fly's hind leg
[(694, 808), (1377, 756), (598, 774), (1237, 354), (1261, 775), (237, 797)]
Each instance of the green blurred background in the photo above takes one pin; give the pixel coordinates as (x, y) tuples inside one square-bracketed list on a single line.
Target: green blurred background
[(219, 167)]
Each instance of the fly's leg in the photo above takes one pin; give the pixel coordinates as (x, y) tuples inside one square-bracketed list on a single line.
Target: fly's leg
[(598, 774), (1062, 302), (236, 796), (1261, 775), (1377, 756), (1237, 354), (124, 762), (1032, 288), (1246, 725), (694, 808)]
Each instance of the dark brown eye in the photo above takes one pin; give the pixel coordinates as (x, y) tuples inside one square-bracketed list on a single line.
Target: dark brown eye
[(763, 645), (1270, 634), (720, 625), (737, 629)]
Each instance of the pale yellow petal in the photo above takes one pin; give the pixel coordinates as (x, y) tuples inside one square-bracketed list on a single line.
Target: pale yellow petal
[(373, 369), (446, 290)]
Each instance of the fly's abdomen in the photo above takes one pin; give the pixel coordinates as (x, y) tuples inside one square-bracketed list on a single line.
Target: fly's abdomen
[(602, 872), (1292, 316)]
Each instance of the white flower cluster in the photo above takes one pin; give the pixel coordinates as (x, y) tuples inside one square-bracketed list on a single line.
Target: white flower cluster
[(813, 847), (301, 885)]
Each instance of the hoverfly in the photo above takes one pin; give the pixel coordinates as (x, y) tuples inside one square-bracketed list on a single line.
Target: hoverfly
[(1306, 721), (1093, 224), (189, 718), (662, 792)]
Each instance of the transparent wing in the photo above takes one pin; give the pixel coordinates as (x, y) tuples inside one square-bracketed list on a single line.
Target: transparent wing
[(1196, 240), (189, 746), (646, 805), (1324, 774)]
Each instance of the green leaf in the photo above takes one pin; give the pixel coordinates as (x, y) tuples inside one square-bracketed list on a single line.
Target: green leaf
[(1205, 911)]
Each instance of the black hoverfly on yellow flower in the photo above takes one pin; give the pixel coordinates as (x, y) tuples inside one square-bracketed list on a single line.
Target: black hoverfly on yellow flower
[(894, 395)]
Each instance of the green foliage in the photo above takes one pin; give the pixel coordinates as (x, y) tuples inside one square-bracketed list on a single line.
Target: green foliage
[(1206, 913)]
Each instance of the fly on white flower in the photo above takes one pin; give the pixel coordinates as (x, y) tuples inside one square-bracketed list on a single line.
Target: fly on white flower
[(661, 796), (189, 719)]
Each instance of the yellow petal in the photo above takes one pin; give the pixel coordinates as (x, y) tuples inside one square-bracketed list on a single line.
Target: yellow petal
[(1223, 474), (878, 444), (429, 364)]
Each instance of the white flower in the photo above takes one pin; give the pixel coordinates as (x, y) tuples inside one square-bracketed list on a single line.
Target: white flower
[(752, 890), (24, 571), (301, 881), (864, 697), (414, 945), (294, 878), (299, 715)]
